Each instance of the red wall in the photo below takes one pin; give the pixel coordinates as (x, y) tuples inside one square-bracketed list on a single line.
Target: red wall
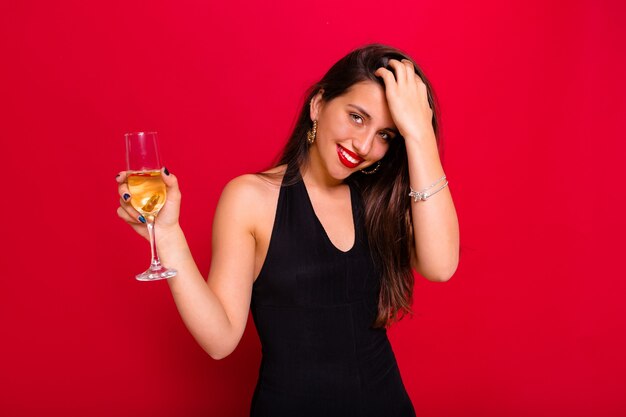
[(532, 100)]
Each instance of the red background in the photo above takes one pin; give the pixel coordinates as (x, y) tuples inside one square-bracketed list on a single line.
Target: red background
[(533, 101)]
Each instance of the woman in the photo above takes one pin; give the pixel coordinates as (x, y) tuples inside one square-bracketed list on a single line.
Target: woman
[(322, 246)]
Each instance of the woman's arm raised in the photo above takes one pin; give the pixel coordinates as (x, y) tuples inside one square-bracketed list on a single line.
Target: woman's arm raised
[(435, 254), (215, 312)]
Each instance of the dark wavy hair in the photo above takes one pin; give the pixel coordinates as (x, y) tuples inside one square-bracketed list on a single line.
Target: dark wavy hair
[(385, 194)]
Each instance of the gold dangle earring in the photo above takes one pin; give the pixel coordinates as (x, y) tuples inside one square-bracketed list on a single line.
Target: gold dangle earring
[(311, 133), (373, 170)]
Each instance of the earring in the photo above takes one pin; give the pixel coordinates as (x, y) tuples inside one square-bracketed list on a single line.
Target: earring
[(372, 171), (310, 135)]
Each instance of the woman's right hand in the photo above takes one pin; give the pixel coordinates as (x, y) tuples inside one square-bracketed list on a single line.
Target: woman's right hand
[(168, 215)]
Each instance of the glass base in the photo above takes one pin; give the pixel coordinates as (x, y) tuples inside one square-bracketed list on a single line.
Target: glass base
[(156, 274)]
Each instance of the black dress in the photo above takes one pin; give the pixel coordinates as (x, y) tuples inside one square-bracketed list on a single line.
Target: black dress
[(313, 306)]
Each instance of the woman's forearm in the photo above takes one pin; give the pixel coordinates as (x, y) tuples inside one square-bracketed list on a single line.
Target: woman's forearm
[(435, 222), (201, 310)]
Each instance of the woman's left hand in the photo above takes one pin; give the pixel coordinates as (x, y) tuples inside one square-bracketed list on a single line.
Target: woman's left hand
[(407, 98)]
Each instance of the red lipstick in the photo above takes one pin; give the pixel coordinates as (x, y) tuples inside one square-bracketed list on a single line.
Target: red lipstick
[(349, 159)]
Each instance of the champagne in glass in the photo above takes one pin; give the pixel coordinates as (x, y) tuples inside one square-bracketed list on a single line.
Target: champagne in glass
[(147, 191)]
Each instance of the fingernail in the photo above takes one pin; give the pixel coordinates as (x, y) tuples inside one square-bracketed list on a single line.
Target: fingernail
[(117, 175), (126, 196), (141, 219), (166, 171)]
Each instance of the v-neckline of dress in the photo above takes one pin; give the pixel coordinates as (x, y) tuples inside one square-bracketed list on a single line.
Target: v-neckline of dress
[(318, 221)]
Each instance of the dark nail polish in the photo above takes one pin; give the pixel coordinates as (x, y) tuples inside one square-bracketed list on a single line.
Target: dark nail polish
[(166, 171), (126, 196), (117, 175), (141, 219)]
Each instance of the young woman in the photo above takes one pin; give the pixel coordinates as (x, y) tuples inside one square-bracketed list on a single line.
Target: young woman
[(321, 247)]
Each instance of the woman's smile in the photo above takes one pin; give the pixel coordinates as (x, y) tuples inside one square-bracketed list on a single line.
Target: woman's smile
[(349, 159)]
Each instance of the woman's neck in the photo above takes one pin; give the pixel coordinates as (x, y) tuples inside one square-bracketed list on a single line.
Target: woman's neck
[(316, 174)]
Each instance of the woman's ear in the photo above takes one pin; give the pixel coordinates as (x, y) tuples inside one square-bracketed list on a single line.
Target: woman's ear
[(316, 105)]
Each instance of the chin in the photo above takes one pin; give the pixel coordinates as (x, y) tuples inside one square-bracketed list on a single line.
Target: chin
[(342, 172), (335, 168)]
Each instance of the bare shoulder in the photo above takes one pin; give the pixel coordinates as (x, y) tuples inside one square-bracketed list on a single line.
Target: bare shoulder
[(252, 197), (256, 185)]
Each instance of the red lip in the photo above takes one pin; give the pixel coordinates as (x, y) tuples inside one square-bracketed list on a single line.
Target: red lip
[(344, 160)]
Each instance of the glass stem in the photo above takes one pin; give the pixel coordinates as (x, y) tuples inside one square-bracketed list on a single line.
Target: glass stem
[(155, 264)]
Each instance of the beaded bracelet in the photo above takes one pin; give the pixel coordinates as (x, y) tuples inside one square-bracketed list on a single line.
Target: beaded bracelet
[(423, 195)]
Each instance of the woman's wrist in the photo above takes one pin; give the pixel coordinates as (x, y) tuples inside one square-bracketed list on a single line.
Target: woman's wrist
[(165, 235), (172, 245), (424, 163), (421, 139), (422, 149)]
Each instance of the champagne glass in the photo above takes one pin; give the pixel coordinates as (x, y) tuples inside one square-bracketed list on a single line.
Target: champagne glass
[(147, 191)]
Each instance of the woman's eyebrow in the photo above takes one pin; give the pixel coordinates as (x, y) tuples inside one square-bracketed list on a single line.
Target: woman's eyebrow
[(362, 110), (367, 116)]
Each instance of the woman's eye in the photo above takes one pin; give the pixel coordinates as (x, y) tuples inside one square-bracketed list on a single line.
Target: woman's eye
[(356, 118), (386, 136)]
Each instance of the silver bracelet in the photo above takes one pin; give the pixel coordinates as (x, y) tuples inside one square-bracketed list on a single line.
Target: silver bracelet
[(423, 195)]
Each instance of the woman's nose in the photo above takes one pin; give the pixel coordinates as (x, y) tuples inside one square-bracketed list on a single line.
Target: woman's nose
[(363, 143)]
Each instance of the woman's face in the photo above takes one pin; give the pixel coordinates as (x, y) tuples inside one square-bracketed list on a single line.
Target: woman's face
[(354, 129)]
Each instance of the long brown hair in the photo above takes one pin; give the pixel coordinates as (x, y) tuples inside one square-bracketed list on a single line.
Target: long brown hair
[(385, 193)]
